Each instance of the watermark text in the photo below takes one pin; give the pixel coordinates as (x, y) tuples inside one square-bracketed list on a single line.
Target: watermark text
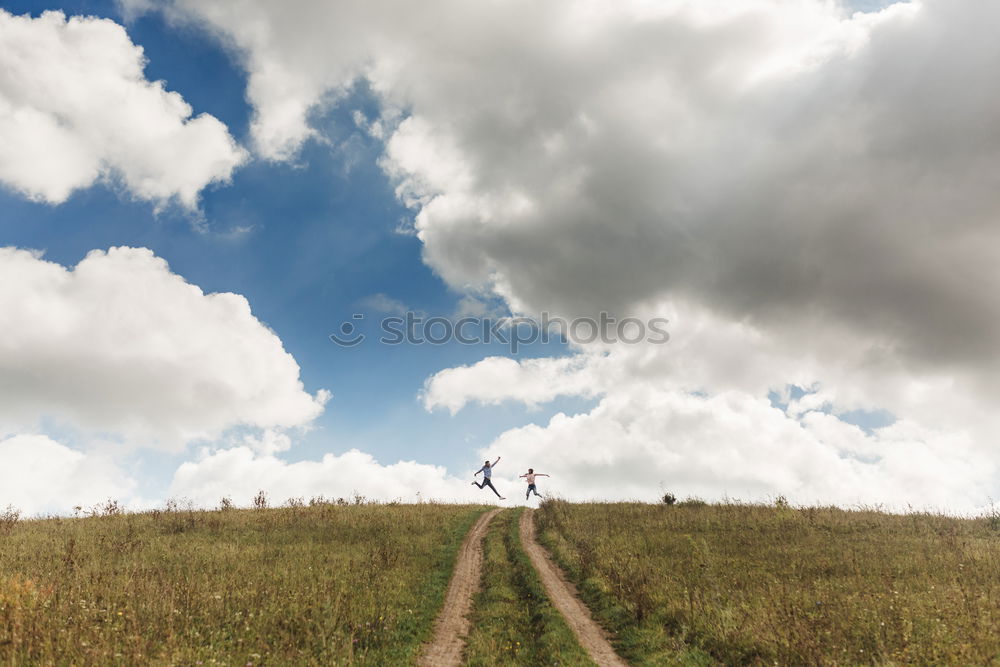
[(413, 328)]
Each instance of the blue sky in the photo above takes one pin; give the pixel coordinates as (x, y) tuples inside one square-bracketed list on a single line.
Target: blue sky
[(306, 242), (560, 161)]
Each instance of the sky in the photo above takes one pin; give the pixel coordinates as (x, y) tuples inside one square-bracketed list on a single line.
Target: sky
[(195, 195)]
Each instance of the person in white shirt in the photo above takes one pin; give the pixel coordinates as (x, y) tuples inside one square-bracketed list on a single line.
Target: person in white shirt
[(530, 478), (487, 471)]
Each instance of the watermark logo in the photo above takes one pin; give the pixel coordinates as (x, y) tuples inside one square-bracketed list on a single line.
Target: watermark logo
[(349, 335), (515, 332)]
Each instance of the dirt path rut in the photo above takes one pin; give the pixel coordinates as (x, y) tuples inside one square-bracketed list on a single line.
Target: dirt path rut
[(452, 624), (563, 596)]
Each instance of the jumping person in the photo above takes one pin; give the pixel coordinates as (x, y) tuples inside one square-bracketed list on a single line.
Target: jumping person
[(487, 471), (530, 478)]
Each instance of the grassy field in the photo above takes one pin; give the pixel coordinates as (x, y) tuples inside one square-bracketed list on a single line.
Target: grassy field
[(512, 622), (739, 584), (326, 585), (335, 584)]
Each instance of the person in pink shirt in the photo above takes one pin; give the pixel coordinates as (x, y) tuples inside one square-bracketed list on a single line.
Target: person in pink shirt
[(530, 478)]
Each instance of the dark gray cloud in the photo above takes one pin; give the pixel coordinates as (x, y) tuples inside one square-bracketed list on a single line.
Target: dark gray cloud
[(790, 164), (811, 193)]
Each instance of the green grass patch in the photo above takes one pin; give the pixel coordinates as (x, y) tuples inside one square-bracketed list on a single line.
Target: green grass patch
[(513, 622), (753, 584), (324, 585)]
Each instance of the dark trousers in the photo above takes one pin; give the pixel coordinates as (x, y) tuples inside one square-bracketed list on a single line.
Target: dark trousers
[(531, 489), (488, 482)]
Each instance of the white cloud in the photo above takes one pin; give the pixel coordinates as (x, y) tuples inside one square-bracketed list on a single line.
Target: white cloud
[(673, 140), (120, 345), (383, 303), (808, 195), (75, 108), (694, 417), (640, 443), (497, 379), (239, 473), (40, 475), (787, 163)]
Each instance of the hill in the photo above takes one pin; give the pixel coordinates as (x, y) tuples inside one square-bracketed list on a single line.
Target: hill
[(751, 584), (327, 584), (341, 583)]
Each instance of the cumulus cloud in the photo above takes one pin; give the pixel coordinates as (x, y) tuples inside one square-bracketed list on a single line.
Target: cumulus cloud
[(75, 108), (808, 194), (778, 161), (497, 379), (240, 473), (710, 415), (122, 346), (638, 444), (648, 435), (39, 475)]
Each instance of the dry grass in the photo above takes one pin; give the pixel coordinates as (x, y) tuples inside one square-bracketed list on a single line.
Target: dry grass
[(739, 584), (513, 623), (326, 584)]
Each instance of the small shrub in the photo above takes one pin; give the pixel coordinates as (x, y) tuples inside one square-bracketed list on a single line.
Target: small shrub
[(260, 500), (8, 519), (669, 499), (110, 507), (127, 541), (992, 517), (226, 504), (179, 515)]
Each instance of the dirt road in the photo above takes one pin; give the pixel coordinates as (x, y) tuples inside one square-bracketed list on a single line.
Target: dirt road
[(563, 596), (452, 624)]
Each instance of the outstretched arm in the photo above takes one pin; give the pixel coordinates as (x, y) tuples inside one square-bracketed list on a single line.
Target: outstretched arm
[(524, 475), (497, 461), (477, 472)]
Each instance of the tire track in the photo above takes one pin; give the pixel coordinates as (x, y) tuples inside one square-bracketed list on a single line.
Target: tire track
[(452, 624), (563, 595)]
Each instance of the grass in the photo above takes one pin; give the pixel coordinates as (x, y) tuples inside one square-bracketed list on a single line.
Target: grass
[(336, 584), (513, 623), (325, 585), (745, 584)]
